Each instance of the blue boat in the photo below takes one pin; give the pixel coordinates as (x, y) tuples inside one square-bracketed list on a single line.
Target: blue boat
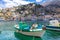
[(53, 25), (24, 29)]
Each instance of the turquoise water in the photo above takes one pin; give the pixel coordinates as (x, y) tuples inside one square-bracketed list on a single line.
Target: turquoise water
[(7, 32)]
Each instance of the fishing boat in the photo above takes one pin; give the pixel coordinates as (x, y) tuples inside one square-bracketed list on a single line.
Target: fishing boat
[(53, 25), (24, 29)]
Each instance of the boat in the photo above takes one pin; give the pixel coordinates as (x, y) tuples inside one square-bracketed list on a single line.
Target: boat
[(53, 25), (24, 29), (23, 37), (2, 19)]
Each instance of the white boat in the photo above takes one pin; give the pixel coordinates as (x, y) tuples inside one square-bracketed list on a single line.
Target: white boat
[(53, 25)]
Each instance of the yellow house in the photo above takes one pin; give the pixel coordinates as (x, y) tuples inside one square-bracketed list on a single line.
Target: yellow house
[(1, 14), (8, 15)]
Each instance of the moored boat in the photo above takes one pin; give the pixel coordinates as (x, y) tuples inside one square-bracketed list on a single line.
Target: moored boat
[(38, 32), (53, 25), (56, 28)]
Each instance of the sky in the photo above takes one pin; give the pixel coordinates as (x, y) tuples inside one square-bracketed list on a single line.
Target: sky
[(11, 3)]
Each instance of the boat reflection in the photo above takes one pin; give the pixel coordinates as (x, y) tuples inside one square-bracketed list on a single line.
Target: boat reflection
[(0, 32), (53, 33), (24, 37)]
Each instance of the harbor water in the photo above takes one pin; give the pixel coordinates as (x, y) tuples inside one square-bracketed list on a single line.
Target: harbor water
[(7, 32)]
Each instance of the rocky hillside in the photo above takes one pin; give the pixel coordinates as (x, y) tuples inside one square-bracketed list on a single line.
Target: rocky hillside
[(53, 7), (30, 9)]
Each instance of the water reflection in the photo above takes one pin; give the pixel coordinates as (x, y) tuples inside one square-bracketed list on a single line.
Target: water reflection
[(7, 35), (0, 32), (24, 37), (51, 35)]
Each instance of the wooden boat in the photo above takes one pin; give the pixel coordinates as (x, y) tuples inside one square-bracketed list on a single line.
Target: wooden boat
[(54, 25), (34, 32)]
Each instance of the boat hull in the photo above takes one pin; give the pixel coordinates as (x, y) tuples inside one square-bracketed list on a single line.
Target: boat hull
[(36, 34), (53, 28)]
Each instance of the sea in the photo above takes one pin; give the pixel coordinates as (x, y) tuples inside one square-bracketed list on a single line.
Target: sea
[(7, 32)]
